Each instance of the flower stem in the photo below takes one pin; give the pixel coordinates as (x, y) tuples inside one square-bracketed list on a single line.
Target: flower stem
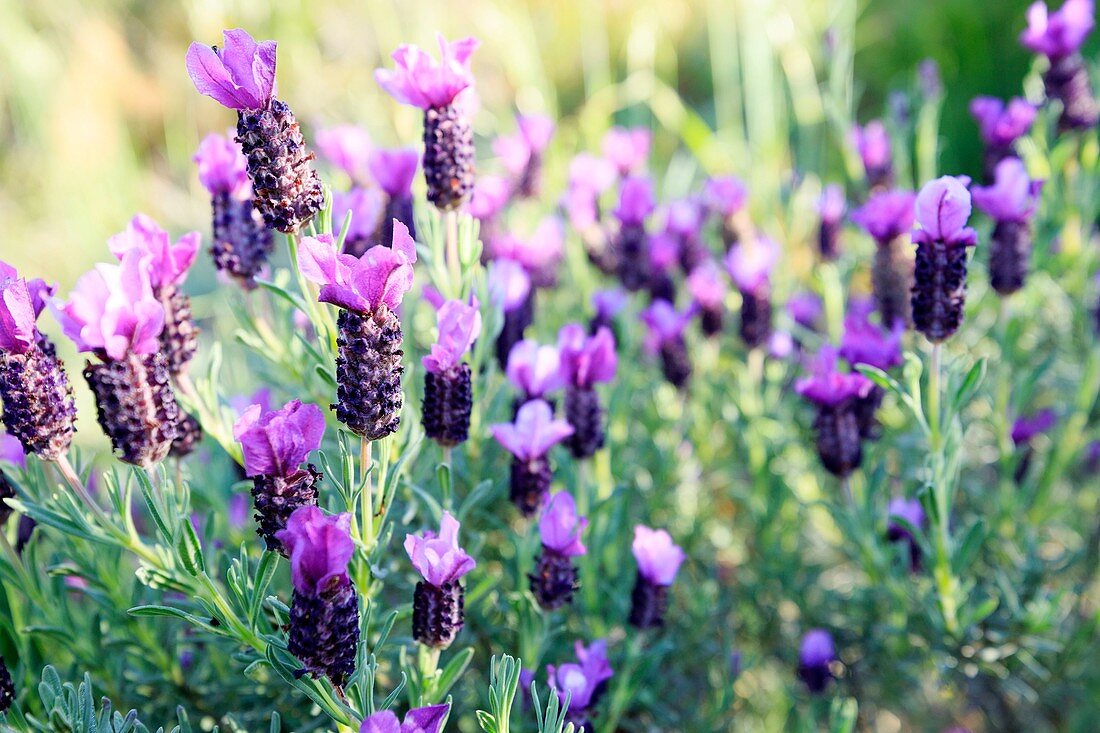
[(946, 584), (454, 267), (366, 496)]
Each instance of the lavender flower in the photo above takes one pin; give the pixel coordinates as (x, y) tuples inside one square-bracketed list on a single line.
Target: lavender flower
[(684, 222), (448, 394), (659, 560), (806, 309), (490, 195), (837, 426), (606, 304), (708, 293), (1027, 428), (539, 254), (1011, 202), (939, 279), (582, 683), (830, 208), (510, 286), (666, 337), (113, 313), (627, 149), (430, 719), (887, 216), (555, 578), (586, 361), (394, 171), (589, 177), (241, 76), (368, 289), (366, 206), (521, 153), (324, 613), (631, 246), (438, 599), (168, 265), (11, 453), (1059, 36), (816, 654), (725, 198), (1001, 125), (241, 240), (529, 440), (349, 148), (434, 87), (750, 265), (534, 370), (866, 343), (873, 145), (274, 445), (911, 512), (39, 410)]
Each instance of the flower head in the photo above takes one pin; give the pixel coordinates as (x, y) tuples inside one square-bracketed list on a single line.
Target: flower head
[(418, 720), (366, 208), (579, 682), (683, 218), (873, 145), (223, 168), (886, 215), (11, 451), (750, 264), (491, 194), (806, 309), (1028, 427), (20, 303), (664, 322), (1000, 124), (866, 343), (829, 387), (560, 527), (908, 510), (168, 263), (725, 195), (516, 151), (627, 149), (112, 309), (658, 558), (277, 443), (832, 204), (421, 81), (1061, 33), (438, 558), (635, 201), (534, 369), (319, 546), (534, 432), (348, 147), (591, 173), (380, 277), (394, 170), (608, 303), (509, 284), (664, 252), (459, 326), (706, 285), (239, 75), (1013, 196), (543, 249), (817, 648), (942, 208), (587, 360)]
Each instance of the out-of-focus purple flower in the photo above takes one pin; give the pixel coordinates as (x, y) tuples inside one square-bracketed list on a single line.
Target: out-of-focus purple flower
[(1028, 427), (438, 558), (872, 143), (509, 284), (276, 443), (591, 173), (829, 387), (365, 206), (887, 214), (560, 527), (261, 397), (664, 252), (928, 74), (222, 166), (816, 652), (635, 201), (908, 510), (608, 303), (459, 326), (112, 309), (168, 263), (1013, 195), (1059, 34), (587, 360), (11, 451), (420, 81), (319, 546), (683, 218), (418, 720), (627, 148), (1092, 457), (750, 264), (780, 345), (725, 195), (707, 286), (1000, 124), (490, 195), (832, 204), (806, 309), (349, 148), (516, 151), (539, 253), (394, 170), (381, 276), (665, 324), (942, 208), (238, 511), (866, 343), (534, 369), (534, 432), (658, 558), (239, 75), (580, 682)]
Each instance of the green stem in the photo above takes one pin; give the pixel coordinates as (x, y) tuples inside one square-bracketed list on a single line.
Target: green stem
[(946, 583), (454, 268), (366, 500)]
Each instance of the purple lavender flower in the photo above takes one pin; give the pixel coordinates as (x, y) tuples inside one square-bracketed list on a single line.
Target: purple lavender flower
[(324, 614), (586, 361), (816, 654), (837, 426), (708, 293), (887, 216), (867, 343), (582, 683), (1000, 126), (394, 171), (11, 453), (241, 76), (438, 599), (631, 246), (511, 291), (429, 719), (725, 197), (434, 87), (521, 153), (1028, 427), (666, 337), (529, 440), (873, 145), (1011, 202), (39, 410), (1059, 36), (627, 148), (939, 278), (606, 304), (831, 208), (684, 223), (659, 560), (448, 393), (806, 309), (539, 253), (589, 177), (910, 511), (534, 370), (750, 265), (223, 167), (366, 206), (349, 148), (489, 197), (560, 527), (368, 289)]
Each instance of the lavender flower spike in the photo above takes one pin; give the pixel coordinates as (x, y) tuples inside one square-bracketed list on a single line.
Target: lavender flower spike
[(627, 148), (349, 148), (815, 655), (39, 410), (275, 444), (631, 247), (555, 578), (666, 337), (534, 369), (529, 440), (1059, 36), (521, 153), (438, 599), (394, 171), (586, 361), (725, 198), (1011, 202), (659, 560), (708, 290), (1001, 125), (866, 343), (939, 278), (911, 512), (750, 264), (366, 207), (448, 394), (512, 291), (11, 453), (837, 425), (887, 216), (241, 76), (873, 145), (831, 209), (324, 614), (430, 719), (421, 81), (582, 683)]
